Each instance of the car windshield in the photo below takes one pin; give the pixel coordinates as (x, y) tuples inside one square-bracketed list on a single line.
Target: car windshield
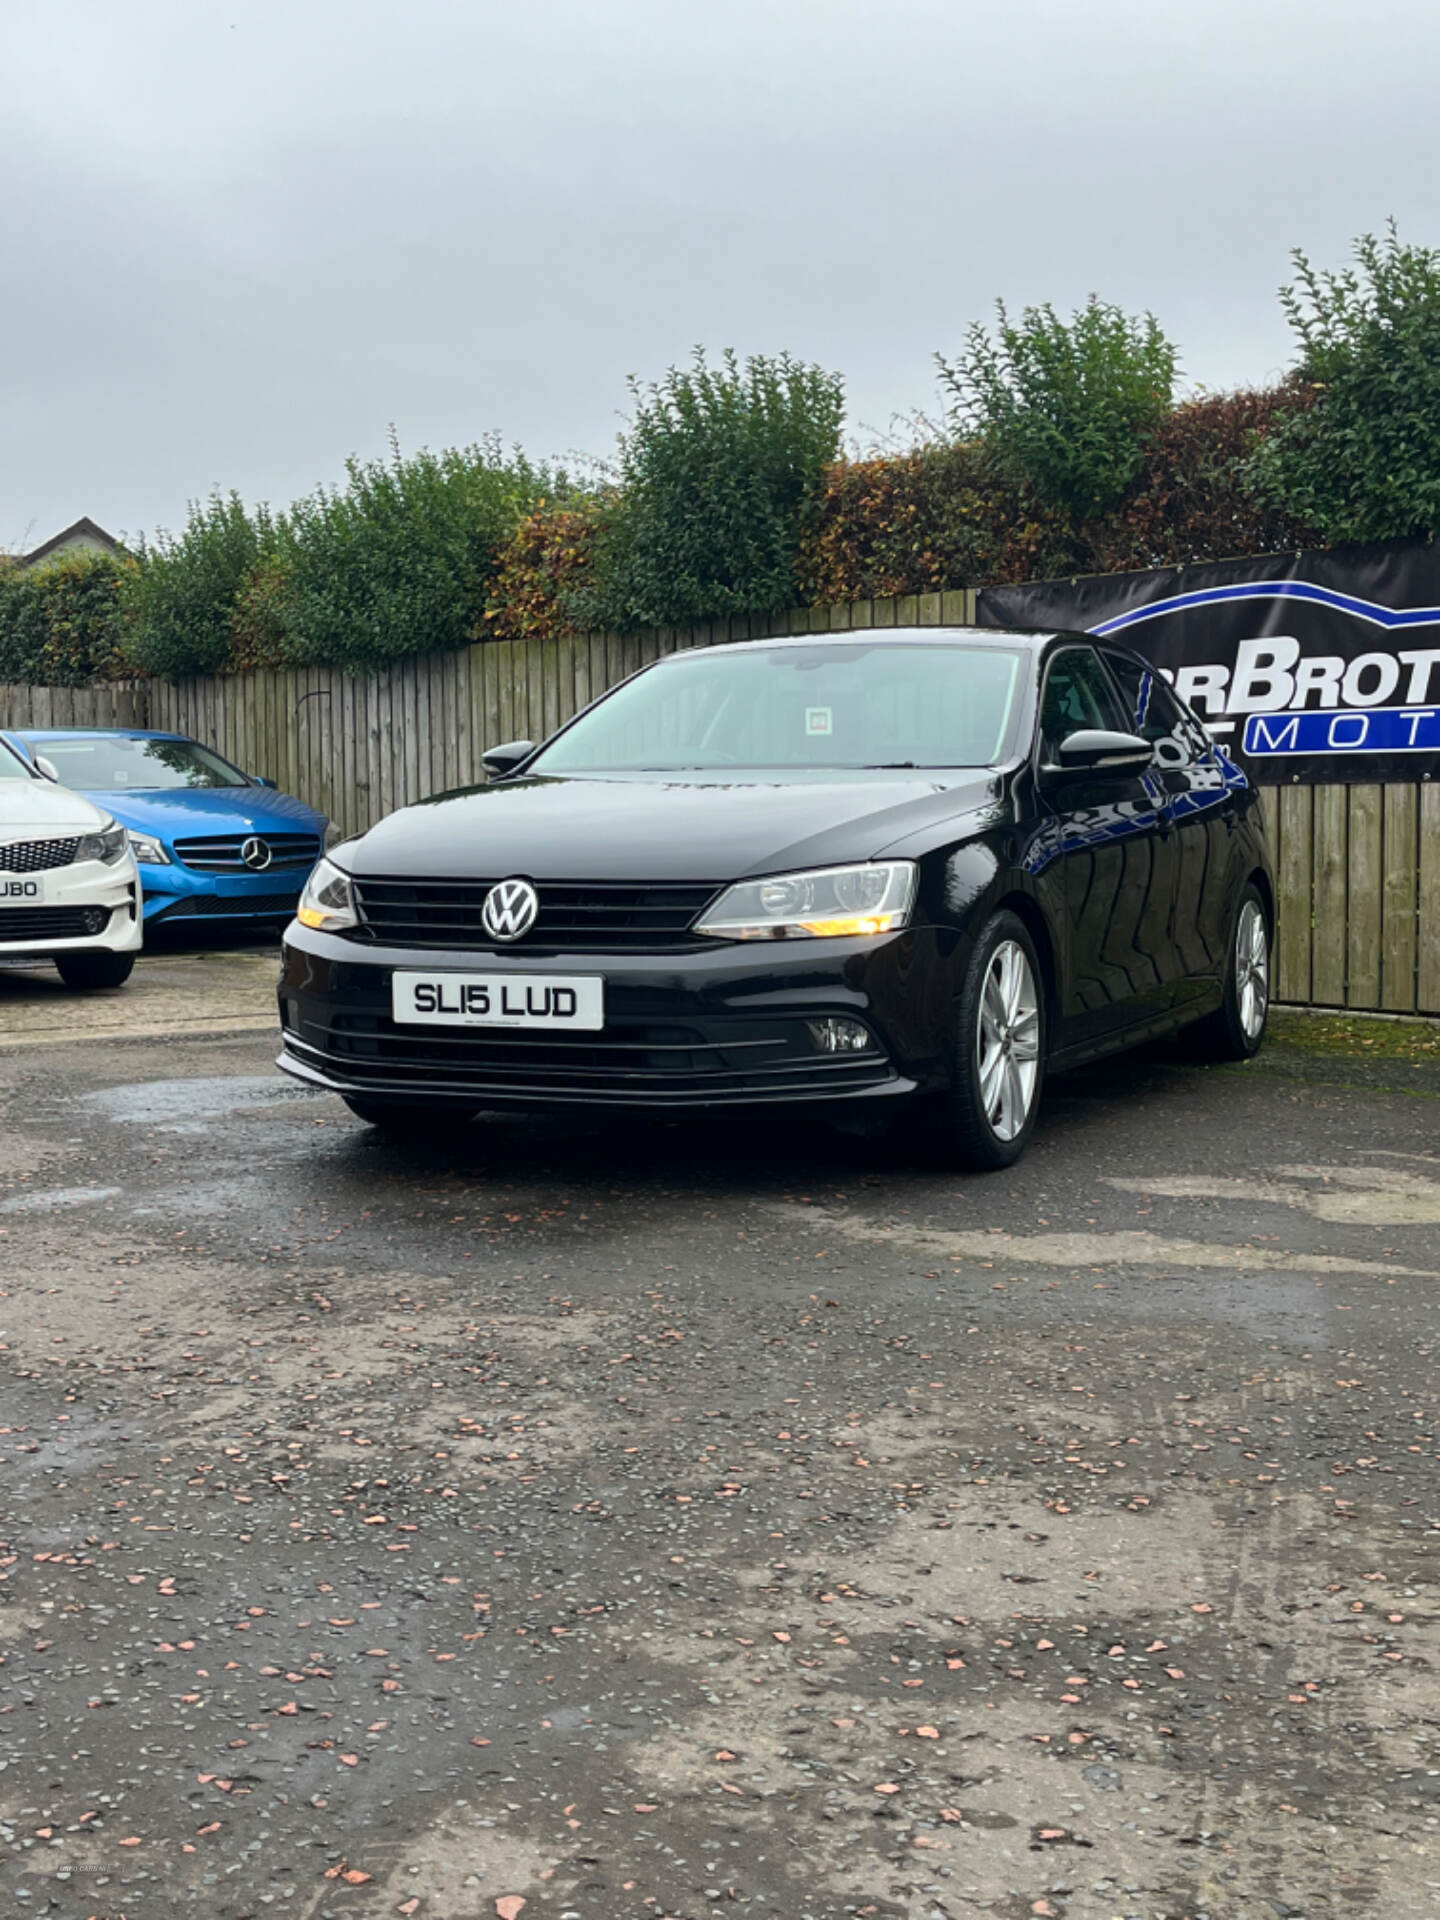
[(847, 705), (105, 762)]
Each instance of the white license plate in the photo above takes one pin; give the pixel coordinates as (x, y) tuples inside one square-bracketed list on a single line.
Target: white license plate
[(23, 890), (564, 1002)]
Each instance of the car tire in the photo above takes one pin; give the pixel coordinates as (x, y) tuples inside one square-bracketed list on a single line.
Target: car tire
[(997, 1065), (406, 1115), (87, 971), (1237, 1027)]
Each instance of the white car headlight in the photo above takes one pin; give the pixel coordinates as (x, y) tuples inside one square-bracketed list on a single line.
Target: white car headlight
[(328, 900), (107, 845), (149, 851), (829, 902)]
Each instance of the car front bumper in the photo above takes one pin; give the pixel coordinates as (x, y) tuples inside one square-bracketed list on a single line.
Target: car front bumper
[(721, 1026), (174, 892), (87, 906)]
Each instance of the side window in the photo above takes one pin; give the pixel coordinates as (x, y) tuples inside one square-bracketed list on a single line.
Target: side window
[(1077, 695), (1152, 711)]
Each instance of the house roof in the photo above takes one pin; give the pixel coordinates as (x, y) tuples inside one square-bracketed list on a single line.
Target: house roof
[(85, 528)]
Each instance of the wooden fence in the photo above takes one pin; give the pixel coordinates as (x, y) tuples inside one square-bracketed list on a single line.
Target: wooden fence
[(1358, 868), (1357, 873)]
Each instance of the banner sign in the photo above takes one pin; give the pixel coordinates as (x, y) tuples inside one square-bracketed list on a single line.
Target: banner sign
[(1314, 667)]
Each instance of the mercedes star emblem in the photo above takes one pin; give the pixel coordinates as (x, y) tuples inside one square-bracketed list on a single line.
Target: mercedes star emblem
[(256, 854)]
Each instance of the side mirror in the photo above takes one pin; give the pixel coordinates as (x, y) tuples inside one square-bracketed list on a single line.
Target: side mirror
[(1097, 750), (498, 761), (48, 768), (262, 780)]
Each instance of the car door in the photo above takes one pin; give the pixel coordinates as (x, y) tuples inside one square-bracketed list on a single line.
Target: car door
[(1114, 864), (1197, 808)]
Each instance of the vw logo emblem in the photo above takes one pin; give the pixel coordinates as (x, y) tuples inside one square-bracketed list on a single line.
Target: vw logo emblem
[(256, 854), (510, 909)]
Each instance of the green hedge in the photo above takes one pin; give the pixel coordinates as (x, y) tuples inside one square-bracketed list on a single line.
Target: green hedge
[(717, 470), (1362, 460), (395, 562), (64, 624), (399, 560), (1064, 407), (185, 589)]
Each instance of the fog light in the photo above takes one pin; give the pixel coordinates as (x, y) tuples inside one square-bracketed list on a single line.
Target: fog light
[(839, 1036)]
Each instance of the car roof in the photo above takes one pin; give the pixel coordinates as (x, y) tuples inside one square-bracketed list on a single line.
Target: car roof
[(95, 733), (1033, 639)]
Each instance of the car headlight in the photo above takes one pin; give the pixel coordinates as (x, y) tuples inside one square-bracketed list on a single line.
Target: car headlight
[(107, 845), (333, 836), (831, 901), (328, 900), (149, 851)]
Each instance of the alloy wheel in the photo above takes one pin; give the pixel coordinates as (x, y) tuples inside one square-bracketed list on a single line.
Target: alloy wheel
[(1008, 1040), (1252, 969)]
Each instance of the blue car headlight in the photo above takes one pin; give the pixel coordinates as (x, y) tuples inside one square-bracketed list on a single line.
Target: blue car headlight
[(149, 851)]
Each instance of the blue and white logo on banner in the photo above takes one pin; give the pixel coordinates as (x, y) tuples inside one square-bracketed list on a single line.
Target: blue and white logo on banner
[(1351, 730)]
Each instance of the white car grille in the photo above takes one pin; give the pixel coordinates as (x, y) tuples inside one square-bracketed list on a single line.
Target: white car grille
[(36, 856)]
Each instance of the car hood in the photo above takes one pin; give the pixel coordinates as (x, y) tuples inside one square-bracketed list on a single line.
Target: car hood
[(169, 811), (662, 827), (39, 807)]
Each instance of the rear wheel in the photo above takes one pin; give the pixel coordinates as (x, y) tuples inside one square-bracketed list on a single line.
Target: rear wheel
[(89, 970), (998, 1063), (1237, 1026), (407, 1116)]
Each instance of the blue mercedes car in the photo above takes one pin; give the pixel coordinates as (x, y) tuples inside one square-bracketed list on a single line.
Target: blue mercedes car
[(212, 843)]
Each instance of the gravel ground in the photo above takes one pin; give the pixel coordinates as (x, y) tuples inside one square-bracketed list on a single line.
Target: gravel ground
[(602, 1518)]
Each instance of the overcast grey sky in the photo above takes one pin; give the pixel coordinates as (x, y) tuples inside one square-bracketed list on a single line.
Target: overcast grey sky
[(240, 239)]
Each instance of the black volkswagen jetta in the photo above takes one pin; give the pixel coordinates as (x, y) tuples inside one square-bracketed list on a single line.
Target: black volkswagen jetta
[(918, 865)]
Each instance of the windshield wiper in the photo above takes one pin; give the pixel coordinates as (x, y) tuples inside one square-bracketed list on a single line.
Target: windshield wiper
[(885, 766)]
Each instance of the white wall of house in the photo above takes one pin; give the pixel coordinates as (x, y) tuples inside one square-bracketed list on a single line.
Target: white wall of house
[(74, 543), (83, 537)]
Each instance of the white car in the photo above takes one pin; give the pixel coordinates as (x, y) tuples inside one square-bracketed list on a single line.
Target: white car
[(69, 886)]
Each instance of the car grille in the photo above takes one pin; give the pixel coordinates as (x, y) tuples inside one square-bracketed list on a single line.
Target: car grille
[(36, 856), (206, 906), (51, 923), (582, 916), (636, 1062), (220, 853)]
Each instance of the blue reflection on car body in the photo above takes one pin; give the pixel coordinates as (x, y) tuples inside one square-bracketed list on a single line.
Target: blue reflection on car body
[(214, 844)]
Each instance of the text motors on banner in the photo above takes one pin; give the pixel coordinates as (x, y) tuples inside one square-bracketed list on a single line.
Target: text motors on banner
[(1316, 667)]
